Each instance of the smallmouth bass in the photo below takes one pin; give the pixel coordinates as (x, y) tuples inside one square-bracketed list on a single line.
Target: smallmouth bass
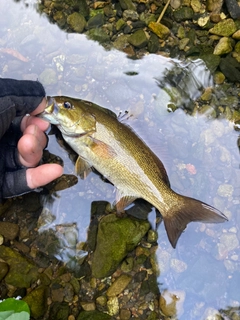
[(115, 151)]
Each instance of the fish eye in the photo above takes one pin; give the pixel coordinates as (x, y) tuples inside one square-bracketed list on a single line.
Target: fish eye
[(67, 105)]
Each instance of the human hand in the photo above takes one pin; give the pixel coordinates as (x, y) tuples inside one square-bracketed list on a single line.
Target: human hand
[(30, 148), (23, 138)]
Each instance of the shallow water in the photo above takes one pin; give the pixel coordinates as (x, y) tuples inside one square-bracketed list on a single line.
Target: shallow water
[(200, 154)]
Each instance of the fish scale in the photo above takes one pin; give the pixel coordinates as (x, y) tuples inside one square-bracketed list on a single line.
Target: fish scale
[(114, 150)]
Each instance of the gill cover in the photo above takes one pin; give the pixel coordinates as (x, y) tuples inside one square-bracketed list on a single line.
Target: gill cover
[(73, 118)]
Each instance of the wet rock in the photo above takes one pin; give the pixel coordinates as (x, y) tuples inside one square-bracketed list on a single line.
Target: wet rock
[(225, 190), (60, 18), (230, 67), (196, 5), (125, 314), (88, 306), (147, 18), (127, 264), (21, 272), (59, 311), (120, 24), (224, 46), (9, 230), (93, 315), (116, 237), (183, 43), (219, 77), (138, 39), (236, 35), (159, 29), (113, 306), (237, 47), (228, 241), (211, 60), (96, 21), (233, 8), (48, 77), (141, 7), (127, 5), (214, 5), (98, 34), (3, 269), (182, 14), (83, 8), (76, 58), (224, 28), (130, 15), (153, 43), (178, 266), (109, 11), (36, 301), (171, 303), (119, 285), (76, 22)]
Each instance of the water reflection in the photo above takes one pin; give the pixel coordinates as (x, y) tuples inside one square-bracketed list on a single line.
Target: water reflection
[(200, 152)]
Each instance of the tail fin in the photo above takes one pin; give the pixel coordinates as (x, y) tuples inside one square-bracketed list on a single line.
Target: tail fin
[(189, 209)]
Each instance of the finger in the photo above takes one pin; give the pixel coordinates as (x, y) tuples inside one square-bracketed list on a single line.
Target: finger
[(42, 175), (40, 108), (38, 133), (30, 150), (30, 120)]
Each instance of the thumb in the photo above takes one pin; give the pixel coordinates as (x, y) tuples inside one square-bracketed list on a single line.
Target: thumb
[(42, 175)]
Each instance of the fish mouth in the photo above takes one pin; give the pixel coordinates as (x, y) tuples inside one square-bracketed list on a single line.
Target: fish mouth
[(50, 111), (51, 106)]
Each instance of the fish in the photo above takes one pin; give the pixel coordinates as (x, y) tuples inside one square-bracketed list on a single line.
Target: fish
[(111, 147)]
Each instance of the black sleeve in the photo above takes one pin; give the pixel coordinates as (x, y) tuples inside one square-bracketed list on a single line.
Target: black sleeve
[(17, 98)]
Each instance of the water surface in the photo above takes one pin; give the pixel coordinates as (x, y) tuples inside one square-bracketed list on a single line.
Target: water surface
[(199, 152)]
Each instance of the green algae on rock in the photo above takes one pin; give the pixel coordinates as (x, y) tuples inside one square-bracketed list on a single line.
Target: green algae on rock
[(116, 237), (159, 29), (21, 272), (76, 22), (138, 39), (4, 267), (93, 315), (224, 28), (36, 301)]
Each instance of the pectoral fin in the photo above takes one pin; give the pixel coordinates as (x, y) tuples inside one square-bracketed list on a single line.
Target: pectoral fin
[(102, 149), (82, 168)]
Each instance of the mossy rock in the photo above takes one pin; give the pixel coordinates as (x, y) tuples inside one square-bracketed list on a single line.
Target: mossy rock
[(115, 239), (93, 315)]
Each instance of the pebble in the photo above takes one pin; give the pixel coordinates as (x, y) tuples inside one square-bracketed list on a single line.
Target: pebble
[(159, 29), (225, 190), (224, 28), (119, 285), (113, 306), (3, 269), (224, 46), (138, 39), (130, 15), (9, 230), (178, 265), (76, 21), (88, 306), (229, 240)]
